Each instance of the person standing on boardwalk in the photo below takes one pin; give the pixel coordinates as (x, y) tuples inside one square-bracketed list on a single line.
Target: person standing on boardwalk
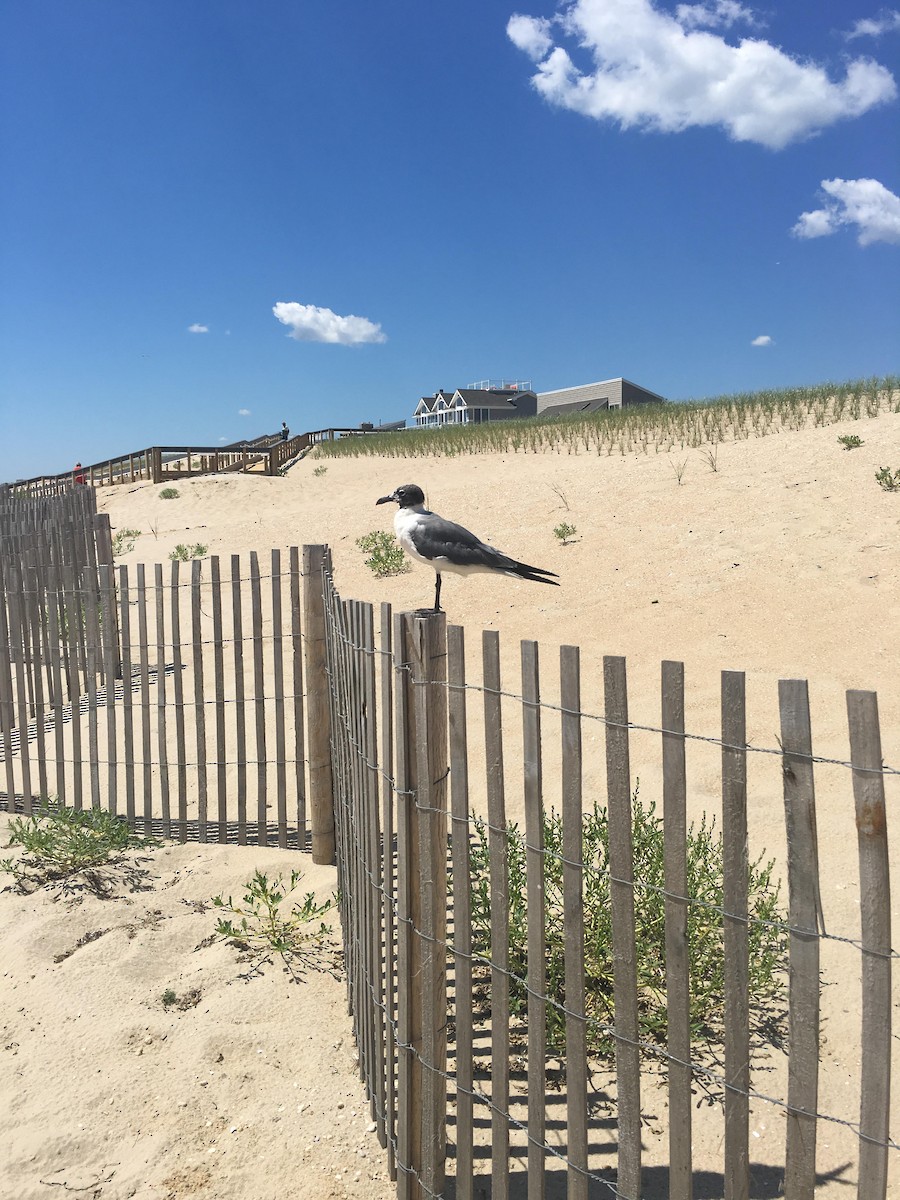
[(285, 432)]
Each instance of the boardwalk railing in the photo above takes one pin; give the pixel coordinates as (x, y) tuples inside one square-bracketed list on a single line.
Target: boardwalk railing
[(266, 455)]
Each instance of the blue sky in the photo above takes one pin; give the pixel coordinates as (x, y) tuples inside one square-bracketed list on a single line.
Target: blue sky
[(219, 215)]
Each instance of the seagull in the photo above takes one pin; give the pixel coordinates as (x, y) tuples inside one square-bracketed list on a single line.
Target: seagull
[(445, 546)]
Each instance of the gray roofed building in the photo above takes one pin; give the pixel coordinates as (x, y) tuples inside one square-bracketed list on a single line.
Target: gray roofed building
[(592, 397), (472, 406)]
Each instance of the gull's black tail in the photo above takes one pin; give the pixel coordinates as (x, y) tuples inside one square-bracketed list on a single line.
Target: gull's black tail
[(536, 574)]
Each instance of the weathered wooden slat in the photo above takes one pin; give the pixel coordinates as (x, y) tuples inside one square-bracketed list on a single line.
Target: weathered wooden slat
[(388, 922), (499, 880), (734, 899), (92, 716), (37, 609), (803, 891), (406, 1117), (127, 702), (240, 714), (162, 746), (375, 874), (321, 796), (7, 693), (342, 766), (621, 891), (536, 911), (111, 669), (278, 686), (178, 688), (426, 645), (20, 674), (875, 934), (199, 699), (259, 702), (573, 922), (146, 732), (359, 832), (296, 708), (215, 585), (354, 839), (462, 909), (678, 1000), (58, 659)]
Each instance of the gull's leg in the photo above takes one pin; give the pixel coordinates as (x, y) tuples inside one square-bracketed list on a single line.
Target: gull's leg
[(437, 592)]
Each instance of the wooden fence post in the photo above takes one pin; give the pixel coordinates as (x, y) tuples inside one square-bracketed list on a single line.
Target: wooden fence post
[(875, 935), (424, 812), (103, 535), (318, 712), (804, 920)]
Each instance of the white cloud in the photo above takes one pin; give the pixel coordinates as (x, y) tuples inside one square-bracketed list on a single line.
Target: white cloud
[(653, 70), (198, 329), (308, 323), (531, 34), (887, 21), (762, 340), (243, 412), (865, 203), (718, 13)]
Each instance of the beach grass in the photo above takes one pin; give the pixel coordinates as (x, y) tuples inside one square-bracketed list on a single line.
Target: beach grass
[(640, 428)]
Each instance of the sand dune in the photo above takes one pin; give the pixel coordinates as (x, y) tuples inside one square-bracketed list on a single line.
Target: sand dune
[(782, 563)]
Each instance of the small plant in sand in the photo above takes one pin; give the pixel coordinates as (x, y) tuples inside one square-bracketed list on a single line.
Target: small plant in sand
[(169, 493), (386, 557), (679, 469), (710, 457), (850, 441), (59, 843), (565, 532), (561, 494), (705, 937), (123, 541), (319, 471), (262, 923), (888, 479), (185, 553)]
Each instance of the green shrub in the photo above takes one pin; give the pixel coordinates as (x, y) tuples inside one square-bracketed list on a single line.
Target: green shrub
[(386, 557), (888, 479), (320, 470), (565, 532), (169, 493), (705, 875), (184, 553), (123, 541), (850, 441), (258, 924), (60, 842)]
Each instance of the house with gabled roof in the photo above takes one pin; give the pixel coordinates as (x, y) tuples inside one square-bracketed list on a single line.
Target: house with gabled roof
[(475, 405), (504, 400)]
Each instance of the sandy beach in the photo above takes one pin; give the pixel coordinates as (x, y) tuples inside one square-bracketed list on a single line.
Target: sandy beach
[(782, 562)]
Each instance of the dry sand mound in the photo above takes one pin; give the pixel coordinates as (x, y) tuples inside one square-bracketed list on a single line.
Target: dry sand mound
[(782, 563)]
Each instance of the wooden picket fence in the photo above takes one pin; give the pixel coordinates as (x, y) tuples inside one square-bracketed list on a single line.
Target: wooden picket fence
[(467, 1097), (244, 700)]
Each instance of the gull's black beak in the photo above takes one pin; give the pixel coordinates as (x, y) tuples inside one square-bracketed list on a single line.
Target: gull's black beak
[(386, 499)]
